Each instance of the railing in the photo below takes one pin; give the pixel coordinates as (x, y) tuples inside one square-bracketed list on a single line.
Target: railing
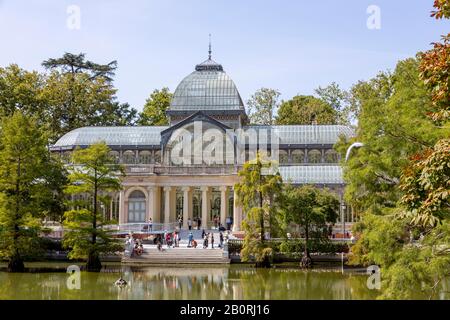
[(181, 170), (146, 228)]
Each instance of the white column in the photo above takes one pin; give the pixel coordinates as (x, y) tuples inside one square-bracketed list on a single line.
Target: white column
[(167, 203), (122, 206), (237, 214), (187, 205), (153, 206), (223, 204), (205, 207)]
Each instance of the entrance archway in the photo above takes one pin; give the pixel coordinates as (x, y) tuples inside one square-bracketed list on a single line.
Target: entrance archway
[(136, 207)]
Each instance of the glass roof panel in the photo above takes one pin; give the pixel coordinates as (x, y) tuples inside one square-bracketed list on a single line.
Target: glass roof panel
[(312, 174)]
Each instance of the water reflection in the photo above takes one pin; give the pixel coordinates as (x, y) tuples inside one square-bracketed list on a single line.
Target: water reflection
[(156, 283)]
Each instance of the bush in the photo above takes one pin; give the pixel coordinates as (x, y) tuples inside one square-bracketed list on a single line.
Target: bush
[(295, 246)]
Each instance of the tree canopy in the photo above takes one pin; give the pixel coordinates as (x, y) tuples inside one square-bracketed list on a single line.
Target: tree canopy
[(306, 110), (154, 112), (262, 106)]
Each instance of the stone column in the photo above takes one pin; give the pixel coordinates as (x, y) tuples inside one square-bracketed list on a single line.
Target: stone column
[(122, 206), (153, 205), (167, 203), (187, 205), (205, 206), (223, 204), (237, 214)]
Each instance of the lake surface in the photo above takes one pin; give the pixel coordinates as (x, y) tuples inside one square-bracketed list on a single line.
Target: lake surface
[(235, 282)]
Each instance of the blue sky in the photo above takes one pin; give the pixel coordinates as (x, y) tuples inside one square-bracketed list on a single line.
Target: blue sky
[(293, 46)]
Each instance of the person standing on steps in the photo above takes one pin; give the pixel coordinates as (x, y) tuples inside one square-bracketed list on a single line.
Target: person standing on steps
[(203, 233), (191, 237), (212, 240), (220, 240), (205, 242), (189, 222)]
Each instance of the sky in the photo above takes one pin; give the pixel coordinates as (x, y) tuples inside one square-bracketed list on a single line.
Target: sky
[(292, 46)]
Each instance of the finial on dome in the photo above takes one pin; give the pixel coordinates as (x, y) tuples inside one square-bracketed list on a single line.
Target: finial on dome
[(209, 51)]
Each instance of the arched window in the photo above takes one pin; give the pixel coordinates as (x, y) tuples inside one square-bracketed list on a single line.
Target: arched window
[(314, 156), (115, 157), (284, 158), (298, 156), (129, 157), (331, 156), (136, 206), (145, 157)]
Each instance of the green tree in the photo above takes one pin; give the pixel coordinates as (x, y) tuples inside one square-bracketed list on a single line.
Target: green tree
[(76, 63), (306, 110), (338, 99), (22, 91), (154, 112), (258, 193), (313, 209), (92, 176), (28, 182), (80, 93), (263, 105)]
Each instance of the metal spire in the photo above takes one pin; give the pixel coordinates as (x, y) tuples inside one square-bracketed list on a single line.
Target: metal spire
[(209, 51)]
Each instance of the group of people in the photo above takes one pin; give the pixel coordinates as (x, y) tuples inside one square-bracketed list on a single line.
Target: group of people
[(198, 221), (209, 238)]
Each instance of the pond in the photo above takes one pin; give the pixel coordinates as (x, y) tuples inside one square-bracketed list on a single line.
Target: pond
[(235, 282)]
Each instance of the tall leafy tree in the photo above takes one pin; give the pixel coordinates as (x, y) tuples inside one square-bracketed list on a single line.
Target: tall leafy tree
[(313, 209), (409, 238), (338, 99), (28, 183), (154, 112), (306, 110), (80, 93), (263, 105), (21, 90), (258, 193), (93, 175), (77, 63)]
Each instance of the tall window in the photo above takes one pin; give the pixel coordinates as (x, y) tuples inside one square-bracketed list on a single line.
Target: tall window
[(331, 156), (298, 156), (145, 157), (114, 156), (129, 157), (283, 157), (136, 207), (314, 156)]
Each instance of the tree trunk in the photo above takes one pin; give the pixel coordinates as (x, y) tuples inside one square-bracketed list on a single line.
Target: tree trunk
[(306, 259), (15, 264), (93, 262)]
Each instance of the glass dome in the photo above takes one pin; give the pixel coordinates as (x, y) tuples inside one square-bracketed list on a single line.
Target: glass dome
[(207, 88)]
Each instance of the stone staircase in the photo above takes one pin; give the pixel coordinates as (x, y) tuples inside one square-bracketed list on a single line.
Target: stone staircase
[(182, 254), (179, 255)]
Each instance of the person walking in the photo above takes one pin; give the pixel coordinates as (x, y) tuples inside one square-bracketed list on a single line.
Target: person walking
[(205, 242), (150, 224), (189, 222), (212, 240), (191, 237), (199, 223), (203, 233), (228, 221), (180, 221), (221, 240)]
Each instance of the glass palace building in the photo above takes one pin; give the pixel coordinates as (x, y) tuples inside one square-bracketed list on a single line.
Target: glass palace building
[(189, 168)]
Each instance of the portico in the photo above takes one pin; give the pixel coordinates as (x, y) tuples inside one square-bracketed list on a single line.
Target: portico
[(165, 198)]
